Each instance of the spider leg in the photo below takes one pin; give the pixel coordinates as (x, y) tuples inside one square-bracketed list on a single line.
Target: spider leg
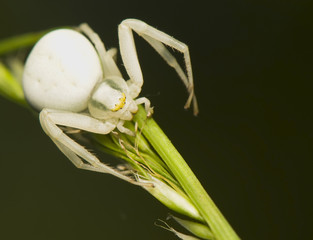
[(107, 57), (121, 128), (147, 104), (50, 119), (113, 53), (156, 39)]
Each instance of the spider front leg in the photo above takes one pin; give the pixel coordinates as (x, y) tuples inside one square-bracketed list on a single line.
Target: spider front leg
[(156, 39), (147, 104), (50, 119), (107, 57)]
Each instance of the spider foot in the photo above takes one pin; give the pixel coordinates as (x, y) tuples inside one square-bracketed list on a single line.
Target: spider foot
[(150, 112)]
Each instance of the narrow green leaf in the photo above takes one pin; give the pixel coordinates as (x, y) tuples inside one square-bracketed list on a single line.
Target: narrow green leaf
[(10, 87), (191, 185), (198, 229), (21, 41)]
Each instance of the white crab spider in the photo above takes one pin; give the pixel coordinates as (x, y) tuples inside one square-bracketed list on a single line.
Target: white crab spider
[(74, 82)]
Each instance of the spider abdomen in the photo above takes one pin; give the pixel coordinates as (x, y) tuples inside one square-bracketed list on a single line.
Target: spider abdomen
[(61, 71)]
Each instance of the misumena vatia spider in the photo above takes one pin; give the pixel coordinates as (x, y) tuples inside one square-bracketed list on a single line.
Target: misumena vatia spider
[(74, 82)]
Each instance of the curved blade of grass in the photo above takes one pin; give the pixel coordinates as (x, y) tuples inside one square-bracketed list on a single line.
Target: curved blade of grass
[(191, 185), (10, 87), (21, 41)]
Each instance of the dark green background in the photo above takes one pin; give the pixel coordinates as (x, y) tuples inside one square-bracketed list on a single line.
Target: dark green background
[(250, 146)]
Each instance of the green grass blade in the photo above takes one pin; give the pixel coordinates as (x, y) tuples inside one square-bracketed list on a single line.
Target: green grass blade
[(191, 185)]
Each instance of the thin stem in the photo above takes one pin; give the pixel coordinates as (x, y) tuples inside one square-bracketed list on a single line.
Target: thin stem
[(191, 185), (21, 41)]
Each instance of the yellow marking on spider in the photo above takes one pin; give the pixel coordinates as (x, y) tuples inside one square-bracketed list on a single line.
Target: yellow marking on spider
[(120, 104)]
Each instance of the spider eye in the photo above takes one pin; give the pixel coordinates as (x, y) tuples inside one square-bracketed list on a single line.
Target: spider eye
[(120, 105), (106, 99)]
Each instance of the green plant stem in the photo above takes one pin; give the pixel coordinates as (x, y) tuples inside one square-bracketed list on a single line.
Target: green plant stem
[(211, 214), (10, 87), (21, 41)]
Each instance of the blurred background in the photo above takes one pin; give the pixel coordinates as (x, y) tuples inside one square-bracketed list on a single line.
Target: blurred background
[(250, 146)]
